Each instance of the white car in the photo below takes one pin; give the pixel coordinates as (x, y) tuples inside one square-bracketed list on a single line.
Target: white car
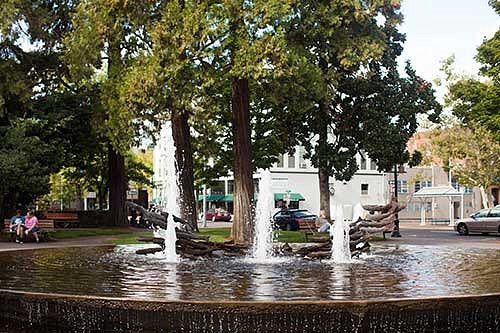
[(484, 221)]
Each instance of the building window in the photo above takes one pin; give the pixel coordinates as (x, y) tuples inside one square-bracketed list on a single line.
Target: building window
[(280, 161), (421, 184), (364, 189), (302, 160), (291, 161), (415, 207), (373, 165), (362, 165), (217, 188), (230, 187), (402, 186)]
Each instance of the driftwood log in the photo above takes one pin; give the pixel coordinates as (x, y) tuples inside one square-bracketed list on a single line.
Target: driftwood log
[(155, 219), (380, 219)]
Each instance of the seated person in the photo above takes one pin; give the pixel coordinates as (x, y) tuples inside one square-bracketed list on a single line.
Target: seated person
[(322, 223), (16, 226), (31, 225)]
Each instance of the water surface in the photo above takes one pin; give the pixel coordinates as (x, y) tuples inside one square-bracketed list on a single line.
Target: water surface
[(389, 272)]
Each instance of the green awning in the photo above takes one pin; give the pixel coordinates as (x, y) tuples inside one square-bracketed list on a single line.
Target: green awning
[(293, 197), (230, 197), (213, 197)]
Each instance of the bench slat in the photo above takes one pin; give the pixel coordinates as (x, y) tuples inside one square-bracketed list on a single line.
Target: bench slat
[(44, 225)]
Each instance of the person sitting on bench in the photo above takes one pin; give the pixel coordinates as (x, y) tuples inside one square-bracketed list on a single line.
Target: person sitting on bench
[(322, 222), (31, 225), (16, 226)]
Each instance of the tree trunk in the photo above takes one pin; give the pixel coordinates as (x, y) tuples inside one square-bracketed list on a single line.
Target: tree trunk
[(79, 198), (2, 210), (117, 187), (242, 230), (324, 191), (184, 158), (323, 177), (484, 197)]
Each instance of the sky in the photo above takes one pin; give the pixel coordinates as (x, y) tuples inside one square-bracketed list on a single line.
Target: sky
[(437, 29)]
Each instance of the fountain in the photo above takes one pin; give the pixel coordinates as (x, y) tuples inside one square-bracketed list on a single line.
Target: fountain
[(341, 252), (398, 288), (263, 235), (169, 234), (357, 212)]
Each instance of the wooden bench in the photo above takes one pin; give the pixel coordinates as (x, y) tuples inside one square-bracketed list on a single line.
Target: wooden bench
[(309, 228), (64, 218), (46, 227)]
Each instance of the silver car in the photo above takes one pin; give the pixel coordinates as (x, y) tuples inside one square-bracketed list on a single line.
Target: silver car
[(484, 221)]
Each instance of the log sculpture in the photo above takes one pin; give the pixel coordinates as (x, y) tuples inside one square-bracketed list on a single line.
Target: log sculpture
[(380, 219)]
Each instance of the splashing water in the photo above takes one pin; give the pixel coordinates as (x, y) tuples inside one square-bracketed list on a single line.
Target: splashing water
[(358, 212), (341, 252), (172, 202), (263, 233)]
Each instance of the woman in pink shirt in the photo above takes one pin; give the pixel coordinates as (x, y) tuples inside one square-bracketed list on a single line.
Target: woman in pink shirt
[(31, 225)]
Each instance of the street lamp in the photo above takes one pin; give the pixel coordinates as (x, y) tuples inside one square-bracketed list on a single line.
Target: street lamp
[(210, 163), (400, 169)]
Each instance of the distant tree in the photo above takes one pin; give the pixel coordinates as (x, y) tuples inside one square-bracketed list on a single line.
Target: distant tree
[(472, 153)]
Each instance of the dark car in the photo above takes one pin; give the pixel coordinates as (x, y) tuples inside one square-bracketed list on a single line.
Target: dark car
[(218, 215), (288, 219)]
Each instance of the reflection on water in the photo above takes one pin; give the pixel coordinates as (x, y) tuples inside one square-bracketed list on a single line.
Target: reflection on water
[(389, 272)]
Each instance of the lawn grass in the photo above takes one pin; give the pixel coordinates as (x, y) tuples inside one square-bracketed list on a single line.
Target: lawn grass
[(218, 235), (130, 238), (75, 233)]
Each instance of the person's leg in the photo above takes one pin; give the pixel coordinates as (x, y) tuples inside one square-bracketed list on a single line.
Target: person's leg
[(13, 233), (36, 237), (325, 227), (19, 231)]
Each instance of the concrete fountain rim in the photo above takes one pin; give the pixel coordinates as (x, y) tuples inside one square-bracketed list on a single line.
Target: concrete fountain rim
[(156, 301)]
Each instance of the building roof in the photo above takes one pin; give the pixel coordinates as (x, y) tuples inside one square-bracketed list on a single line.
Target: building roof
[(437, 191)]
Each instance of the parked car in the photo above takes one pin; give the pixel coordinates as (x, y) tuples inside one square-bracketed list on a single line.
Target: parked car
[(218, 215), (288, 219), (484, 221)]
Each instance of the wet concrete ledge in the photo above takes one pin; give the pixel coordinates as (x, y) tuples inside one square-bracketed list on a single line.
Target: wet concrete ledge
[(37, 312)]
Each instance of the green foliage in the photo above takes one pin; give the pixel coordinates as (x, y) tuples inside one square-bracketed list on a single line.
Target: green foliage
[(472, 99), (26, 160), (359, 101), (472, 153)]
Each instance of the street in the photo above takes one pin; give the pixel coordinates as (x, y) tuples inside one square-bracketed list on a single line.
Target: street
[(442, 235)]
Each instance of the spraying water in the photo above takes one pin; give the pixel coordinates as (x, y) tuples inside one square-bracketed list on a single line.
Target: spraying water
[(263, 235), (341, 252), (172, 202), (358, 212)]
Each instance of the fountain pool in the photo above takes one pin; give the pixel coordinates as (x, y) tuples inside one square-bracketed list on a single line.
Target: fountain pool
[(396, 288)]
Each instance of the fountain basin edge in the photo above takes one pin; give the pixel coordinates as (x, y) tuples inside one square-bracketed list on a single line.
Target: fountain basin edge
[(62, 313)]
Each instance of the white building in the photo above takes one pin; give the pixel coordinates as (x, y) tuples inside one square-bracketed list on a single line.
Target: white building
[(292, 176)]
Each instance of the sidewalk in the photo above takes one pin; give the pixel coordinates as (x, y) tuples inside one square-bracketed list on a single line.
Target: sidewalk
[(427, 226), (72, 242)]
